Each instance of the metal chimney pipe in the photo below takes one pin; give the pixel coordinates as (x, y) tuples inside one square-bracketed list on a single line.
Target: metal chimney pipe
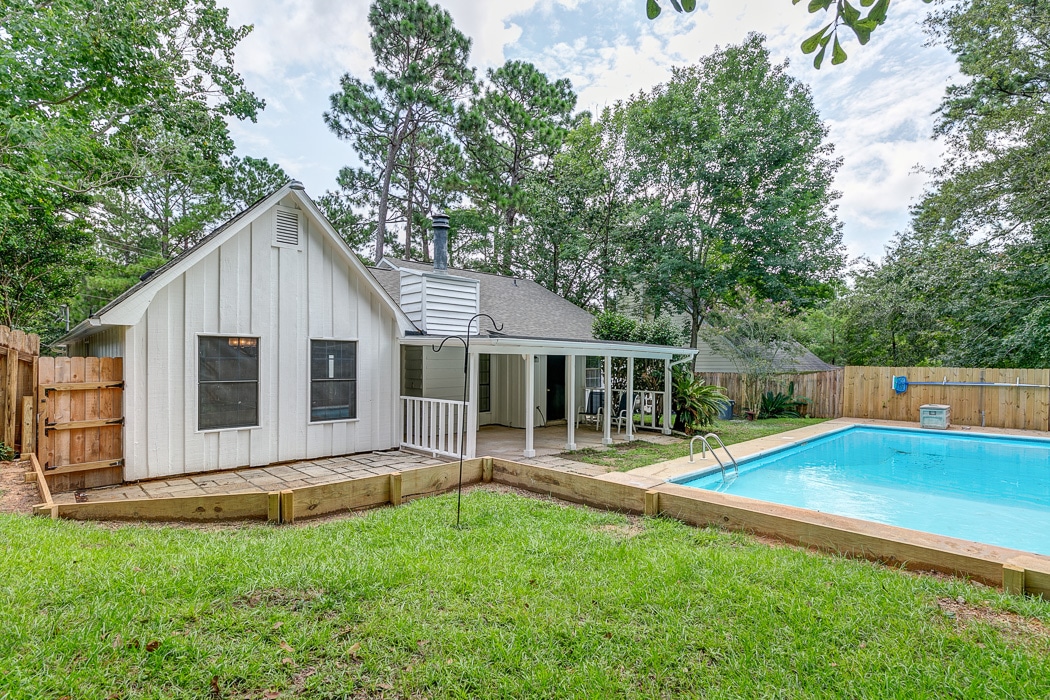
[(441, 243)]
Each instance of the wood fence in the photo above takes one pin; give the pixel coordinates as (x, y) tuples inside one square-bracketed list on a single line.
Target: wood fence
[(80, 428), (823, 389), (18, 357), (868, 393)]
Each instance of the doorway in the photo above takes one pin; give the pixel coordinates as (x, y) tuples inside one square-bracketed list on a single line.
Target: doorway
[(555, 387)]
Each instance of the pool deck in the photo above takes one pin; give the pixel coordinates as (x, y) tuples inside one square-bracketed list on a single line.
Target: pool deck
[(671, 469)]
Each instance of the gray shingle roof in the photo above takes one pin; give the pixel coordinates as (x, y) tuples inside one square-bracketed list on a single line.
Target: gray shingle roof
[(525, 308)]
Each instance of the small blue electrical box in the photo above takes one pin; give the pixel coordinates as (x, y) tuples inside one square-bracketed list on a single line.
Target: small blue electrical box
[(900, 384)]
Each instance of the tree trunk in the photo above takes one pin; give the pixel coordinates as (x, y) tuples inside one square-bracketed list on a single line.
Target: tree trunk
[(384, 198)]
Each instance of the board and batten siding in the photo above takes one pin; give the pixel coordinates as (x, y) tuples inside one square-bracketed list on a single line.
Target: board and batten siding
[(284, 296), (105, 343)]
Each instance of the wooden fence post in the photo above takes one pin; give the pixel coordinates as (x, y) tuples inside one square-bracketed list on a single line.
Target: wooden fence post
[(28, 427), (287, 506), (273, 507), (11, 396), (652, 502), (1013, 579)]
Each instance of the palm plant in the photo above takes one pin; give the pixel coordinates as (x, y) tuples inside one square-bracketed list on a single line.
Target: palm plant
[(695, 403)]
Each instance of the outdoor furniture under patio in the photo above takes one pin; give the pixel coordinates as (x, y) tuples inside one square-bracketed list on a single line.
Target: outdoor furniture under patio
[(592, 408)]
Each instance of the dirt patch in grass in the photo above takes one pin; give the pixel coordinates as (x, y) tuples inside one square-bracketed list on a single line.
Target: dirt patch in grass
[(16, 496), (1014, 628), (632, 528)]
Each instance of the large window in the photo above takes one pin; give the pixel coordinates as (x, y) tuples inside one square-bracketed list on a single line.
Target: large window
[(484, 383), (333, 380), (228, 382)]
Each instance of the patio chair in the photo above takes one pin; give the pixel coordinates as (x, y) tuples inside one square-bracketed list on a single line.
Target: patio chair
[(620, 418), (592, 409)]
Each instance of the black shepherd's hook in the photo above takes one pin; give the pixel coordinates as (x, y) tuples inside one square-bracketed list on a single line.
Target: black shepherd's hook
[(465, 339)]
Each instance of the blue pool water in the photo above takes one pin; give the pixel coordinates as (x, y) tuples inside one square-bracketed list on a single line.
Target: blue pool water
[(976, 487)]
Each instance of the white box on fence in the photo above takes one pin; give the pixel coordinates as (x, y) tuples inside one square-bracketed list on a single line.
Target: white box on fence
[(935, 415)]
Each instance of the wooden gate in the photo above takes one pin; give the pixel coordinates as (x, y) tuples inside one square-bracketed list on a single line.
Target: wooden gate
[(80, 421)]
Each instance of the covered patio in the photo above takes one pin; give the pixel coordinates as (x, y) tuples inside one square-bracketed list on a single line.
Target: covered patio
[(532, 406), (505, 443)]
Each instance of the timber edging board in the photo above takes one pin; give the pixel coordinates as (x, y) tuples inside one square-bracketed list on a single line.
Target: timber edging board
[(1013, 569)]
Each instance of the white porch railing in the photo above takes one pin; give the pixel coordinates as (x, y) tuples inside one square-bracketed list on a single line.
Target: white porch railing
[(433, 425), (648, 406)]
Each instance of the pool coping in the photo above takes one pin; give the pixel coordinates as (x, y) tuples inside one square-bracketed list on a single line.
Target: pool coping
[(1016, 570)]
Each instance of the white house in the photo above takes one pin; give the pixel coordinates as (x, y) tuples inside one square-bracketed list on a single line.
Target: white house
[(269, 341)]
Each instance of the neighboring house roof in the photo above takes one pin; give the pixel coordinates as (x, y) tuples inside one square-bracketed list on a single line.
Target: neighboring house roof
[(796, 361), (128, 308), (525, 308)]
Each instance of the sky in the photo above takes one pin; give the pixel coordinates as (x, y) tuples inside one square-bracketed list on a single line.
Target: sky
[(879, 105)]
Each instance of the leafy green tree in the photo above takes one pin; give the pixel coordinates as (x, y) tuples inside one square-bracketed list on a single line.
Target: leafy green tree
[(421, 71), (843, 14), (139, 229), (969, 283), (733, 181), (997, 122), (575, 236), (86, 88), (510, 133)]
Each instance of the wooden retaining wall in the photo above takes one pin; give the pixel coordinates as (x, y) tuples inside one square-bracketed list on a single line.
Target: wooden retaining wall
[(1016, 571), (868, 393), (823, 389), (289, 505)]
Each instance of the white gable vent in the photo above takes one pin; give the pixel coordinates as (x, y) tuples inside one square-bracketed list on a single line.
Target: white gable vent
[(287, 227)]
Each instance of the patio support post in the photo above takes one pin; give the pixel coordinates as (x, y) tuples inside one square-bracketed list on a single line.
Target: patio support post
[(472, 406), (667, 397), (530, 404), (630, 399), (570, 413), (609, 406)]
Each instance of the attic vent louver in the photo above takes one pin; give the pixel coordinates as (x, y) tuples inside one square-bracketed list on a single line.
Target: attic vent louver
[(286, 227)]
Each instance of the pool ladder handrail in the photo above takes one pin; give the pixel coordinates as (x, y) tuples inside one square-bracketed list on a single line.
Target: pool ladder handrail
[(706, 445)]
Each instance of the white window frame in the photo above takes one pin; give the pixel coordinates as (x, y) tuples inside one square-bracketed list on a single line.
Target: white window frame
[(310, 379), (197, 382)]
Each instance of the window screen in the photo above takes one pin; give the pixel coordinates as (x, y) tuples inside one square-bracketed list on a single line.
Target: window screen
[(228, 382), (333, 380), (484, 383)]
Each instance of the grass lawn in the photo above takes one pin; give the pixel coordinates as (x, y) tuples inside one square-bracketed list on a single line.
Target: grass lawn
[(531, 599), (640, 453)]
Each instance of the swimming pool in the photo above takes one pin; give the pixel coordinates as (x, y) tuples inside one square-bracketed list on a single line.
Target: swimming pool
[(980, 487)]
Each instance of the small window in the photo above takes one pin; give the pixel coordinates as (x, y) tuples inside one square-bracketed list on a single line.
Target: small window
[(333, 380), (287, 227), (484, 383), (228, 382)]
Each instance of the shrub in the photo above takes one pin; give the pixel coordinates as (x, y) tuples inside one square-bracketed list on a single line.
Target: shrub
[(695, 403), (777, 405), (6, 453)]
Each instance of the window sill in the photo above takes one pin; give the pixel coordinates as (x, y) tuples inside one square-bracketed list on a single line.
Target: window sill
[(227, 430), (335, 420)]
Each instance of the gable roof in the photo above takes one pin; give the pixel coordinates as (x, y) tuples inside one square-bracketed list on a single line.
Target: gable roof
[(127, 308), (793, 359), (526, 309)]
